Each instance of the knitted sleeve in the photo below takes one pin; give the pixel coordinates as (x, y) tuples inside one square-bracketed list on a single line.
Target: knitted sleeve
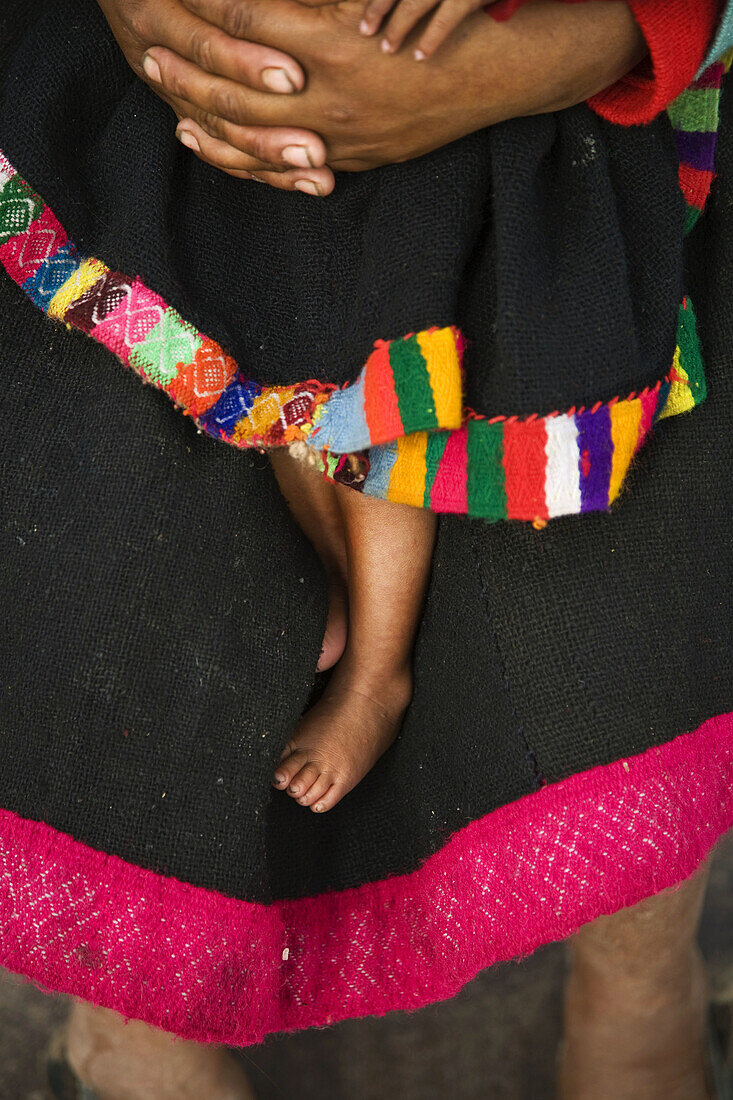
[(724, 38), (678, 33)]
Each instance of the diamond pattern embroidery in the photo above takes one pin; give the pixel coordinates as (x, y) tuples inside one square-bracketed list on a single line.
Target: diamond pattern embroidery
[(232, 406), (51, 275), (18, 207), (105, 295), (170, 343), (200, 384), (23, 254), (137, 313)]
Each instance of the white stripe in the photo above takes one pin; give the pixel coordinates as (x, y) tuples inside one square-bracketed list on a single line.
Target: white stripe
[(562, 484)]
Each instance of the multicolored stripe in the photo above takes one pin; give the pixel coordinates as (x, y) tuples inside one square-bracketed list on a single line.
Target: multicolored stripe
[(537, 468), (694, 116), (400, 431), (407, 385)]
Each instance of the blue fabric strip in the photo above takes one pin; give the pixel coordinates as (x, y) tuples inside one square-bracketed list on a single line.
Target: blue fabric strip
[(723, 39)]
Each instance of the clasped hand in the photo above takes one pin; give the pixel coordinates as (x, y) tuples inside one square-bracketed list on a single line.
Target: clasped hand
[(228, 69)]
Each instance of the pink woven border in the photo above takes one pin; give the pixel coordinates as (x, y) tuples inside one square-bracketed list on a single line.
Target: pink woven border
[(210, 967)]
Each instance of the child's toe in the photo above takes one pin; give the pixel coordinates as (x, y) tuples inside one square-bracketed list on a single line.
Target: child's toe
[(316, 791), (328, 800), (303, 780), (285, 771)]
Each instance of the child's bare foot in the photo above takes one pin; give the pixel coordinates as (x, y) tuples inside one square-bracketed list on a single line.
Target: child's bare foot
[(389, 548), (337, 623), (341, 738), (313, 503)]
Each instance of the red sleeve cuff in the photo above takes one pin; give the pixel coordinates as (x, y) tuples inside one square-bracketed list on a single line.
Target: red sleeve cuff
[(677, 33)]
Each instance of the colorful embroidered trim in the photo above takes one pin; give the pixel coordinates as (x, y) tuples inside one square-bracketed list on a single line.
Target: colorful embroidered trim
[(694, 116), (225, 970), (537, 468), (405, 409)]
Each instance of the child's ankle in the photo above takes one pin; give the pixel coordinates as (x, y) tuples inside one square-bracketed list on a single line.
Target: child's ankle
[(392, 684)]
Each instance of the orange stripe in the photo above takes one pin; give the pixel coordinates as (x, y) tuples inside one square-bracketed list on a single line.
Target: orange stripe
[(380, 398)]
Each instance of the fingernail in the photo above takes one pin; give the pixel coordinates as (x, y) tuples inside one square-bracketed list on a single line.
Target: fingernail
[(385, 46), (419, 55), (186, 138), (297, 155), (277, 80), (309, 187), (151, 68)]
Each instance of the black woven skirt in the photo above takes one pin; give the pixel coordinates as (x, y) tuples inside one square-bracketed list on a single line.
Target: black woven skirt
[(568, 751)]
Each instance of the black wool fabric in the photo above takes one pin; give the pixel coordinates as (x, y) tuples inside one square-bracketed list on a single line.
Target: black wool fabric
[(553, 242), (163, 614)]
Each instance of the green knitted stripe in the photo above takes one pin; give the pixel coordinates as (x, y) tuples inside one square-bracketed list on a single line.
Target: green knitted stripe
[(690, 353), (696, 110), (412, 384), (486, 492), (433, 455), (19, 206)]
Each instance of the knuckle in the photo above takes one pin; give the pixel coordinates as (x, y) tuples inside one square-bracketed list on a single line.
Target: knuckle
[(341, 54), (260, 148), (441, 23), (201, 51), (209, 122), (236, 18), (138, 23), (340, 113), (226, 104)]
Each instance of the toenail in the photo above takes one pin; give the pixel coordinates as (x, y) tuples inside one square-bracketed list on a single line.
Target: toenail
[(302, 800), (279, 777), (293, 790), (319, 807)]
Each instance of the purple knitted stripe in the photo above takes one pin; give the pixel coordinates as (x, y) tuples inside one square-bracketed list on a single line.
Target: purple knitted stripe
[(595, 448), (697, 149)]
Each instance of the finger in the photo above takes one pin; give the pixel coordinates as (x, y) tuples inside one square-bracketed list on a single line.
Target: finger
[(214, 51), (374, 13), (218, 96), (403, 19), (276, 148), (449, 15), (221, 154)]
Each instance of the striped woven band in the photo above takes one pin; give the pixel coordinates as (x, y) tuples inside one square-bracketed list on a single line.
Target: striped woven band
[(404, 415)]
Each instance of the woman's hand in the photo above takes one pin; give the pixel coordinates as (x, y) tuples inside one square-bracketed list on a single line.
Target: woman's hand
[(372, 108), (284, 154)]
